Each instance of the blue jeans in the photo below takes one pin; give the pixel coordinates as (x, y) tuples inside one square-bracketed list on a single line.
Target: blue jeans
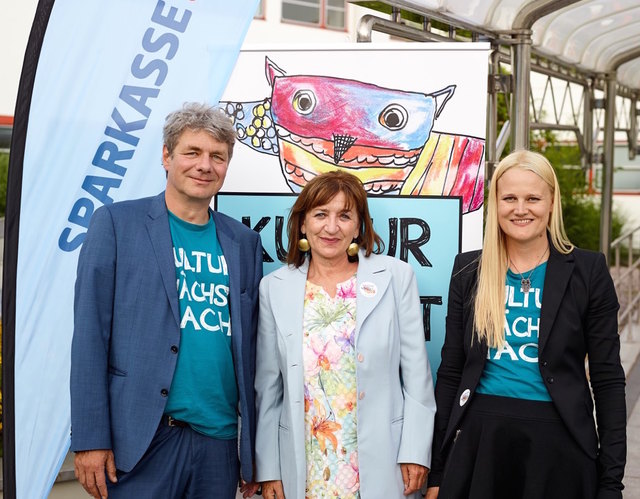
[(181, 463)]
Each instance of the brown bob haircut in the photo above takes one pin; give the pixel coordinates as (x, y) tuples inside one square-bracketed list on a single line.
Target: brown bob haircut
[(319, 191)]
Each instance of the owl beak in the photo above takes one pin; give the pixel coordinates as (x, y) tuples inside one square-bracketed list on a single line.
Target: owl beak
[(341, 144)]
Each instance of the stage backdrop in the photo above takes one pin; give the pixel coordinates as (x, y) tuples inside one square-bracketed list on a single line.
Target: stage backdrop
[(407, 119), (97, 82)]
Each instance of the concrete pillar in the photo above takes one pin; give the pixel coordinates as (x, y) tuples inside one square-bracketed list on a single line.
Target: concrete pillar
[(521, 68)]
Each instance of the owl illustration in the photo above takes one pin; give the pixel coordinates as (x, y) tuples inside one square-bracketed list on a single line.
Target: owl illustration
[(383, 136)]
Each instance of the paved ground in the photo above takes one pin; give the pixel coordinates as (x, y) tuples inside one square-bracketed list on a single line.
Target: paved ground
[(630, 359), (632, 474)]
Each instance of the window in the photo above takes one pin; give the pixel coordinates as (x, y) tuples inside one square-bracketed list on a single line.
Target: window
[(626, 172), (323, 13), (334, 14)]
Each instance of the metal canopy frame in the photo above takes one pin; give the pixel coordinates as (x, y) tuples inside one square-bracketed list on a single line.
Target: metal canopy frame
[(514, 47)]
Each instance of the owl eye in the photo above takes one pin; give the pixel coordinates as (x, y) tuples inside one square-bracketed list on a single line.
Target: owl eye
[(394, 117), (304, 101)]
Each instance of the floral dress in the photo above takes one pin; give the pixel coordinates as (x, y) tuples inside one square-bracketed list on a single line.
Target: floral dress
[(330, 392)]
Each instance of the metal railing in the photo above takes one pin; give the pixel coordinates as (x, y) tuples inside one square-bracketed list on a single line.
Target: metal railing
[(626, 279)]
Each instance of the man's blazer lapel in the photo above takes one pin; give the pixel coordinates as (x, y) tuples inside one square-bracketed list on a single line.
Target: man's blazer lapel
[(559, 270), (160, 235), (231, 251)]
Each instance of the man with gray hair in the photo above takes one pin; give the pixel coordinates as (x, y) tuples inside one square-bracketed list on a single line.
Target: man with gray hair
[(163, 352)]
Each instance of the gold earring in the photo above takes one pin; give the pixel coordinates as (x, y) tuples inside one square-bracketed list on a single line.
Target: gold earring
[(353, 248), (303, 244)]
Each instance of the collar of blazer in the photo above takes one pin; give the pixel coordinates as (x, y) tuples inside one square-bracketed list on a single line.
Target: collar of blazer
[(287, 296), (559, 270), (160, 235)]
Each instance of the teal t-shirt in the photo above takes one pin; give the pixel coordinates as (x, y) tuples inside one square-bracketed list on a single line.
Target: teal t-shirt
[(513, 371), (203, 392)]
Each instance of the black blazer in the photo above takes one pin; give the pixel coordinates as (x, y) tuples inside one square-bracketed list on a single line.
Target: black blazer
[(579, 317)]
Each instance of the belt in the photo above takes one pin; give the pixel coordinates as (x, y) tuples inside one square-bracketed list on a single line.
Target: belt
[(169, 421)]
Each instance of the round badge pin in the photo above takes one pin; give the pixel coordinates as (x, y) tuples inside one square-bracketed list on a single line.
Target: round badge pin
[(464, 397), (368, 289)]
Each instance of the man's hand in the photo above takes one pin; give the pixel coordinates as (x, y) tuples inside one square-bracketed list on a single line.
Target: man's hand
[(414, 476), (248, 489), (272, 489), (90, 466)]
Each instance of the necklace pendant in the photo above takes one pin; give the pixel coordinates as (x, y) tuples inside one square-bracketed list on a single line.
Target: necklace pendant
[(526, 284)]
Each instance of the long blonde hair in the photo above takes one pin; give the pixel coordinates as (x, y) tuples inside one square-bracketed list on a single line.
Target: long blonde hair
[(489, 303)]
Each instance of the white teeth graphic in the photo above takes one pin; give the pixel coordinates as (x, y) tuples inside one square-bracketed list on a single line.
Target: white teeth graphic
[(373, 187), (402, 160), (367, 160), (385, 161), (282, 132)]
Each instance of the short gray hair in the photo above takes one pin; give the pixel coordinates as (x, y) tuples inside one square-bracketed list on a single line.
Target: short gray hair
[(198, 116)]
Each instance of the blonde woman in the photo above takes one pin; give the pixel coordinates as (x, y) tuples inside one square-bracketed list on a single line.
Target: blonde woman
[(515, 410)]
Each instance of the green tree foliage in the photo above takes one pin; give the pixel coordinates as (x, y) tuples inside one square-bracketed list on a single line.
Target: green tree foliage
[(580, 210), (412, 17)]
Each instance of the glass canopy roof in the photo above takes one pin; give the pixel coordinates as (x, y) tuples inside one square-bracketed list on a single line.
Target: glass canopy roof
[(592, 35)]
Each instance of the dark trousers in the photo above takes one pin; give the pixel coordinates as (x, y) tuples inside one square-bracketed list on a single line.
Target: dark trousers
[(181, 463), (516, 449)]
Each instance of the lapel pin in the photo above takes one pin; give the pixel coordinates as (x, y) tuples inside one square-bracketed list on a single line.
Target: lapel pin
[(464, 397), (368, 289)]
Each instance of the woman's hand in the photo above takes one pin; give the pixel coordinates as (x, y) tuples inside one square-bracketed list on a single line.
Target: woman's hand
[(248, 489), (414, 476), (272, 489), (432, 493)]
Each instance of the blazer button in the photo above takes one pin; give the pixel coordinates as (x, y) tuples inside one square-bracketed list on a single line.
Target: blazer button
[(361, 396), (544, 364), (174, 349), (550, 380), (360, 357), (164, 392)]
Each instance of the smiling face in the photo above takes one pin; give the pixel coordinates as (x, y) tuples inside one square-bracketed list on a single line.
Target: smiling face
[(330, 228), (196, 169), (525, 202)]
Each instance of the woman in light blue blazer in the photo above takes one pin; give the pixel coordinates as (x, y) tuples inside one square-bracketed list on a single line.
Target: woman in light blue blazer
[(344, 394)]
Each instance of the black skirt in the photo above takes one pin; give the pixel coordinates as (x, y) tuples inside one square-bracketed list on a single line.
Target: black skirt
[(509, 448)]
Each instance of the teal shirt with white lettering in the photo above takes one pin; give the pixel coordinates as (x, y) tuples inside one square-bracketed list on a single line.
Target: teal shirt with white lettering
[(512, 371), (203, 392)]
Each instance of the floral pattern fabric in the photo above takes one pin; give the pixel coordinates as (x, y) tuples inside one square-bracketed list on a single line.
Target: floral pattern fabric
[(330, 392)]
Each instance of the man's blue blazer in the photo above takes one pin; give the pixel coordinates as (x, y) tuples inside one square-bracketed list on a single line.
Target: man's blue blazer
[(127, 328)]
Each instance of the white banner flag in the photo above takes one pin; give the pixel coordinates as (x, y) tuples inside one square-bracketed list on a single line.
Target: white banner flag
[(87, 132)]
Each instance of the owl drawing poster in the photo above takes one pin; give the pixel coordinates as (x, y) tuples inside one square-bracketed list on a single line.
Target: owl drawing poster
[(407, 119)]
